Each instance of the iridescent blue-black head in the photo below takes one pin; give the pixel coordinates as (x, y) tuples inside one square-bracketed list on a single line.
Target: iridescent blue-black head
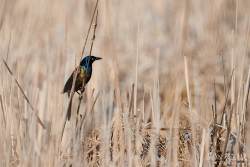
[(88, 61)]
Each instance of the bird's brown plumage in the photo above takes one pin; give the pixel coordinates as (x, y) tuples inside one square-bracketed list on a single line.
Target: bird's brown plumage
[(81, 80)]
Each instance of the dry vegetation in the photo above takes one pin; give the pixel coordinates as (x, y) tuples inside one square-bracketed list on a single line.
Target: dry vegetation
[(172, 88)]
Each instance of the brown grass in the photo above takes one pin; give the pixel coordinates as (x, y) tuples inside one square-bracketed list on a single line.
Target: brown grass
[(172, 88)]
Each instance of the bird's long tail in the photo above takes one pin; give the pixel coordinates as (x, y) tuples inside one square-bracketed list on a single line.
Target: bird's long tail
[(69, 109)]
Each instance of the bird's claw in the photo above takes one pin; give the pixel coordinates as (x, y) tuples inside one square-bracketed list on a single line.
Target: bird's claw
[(82, 89)]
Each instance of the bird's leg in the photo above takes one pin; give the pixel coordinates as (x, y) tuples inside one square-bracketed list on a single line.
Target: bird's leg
[(68, 94), (79, 93), (82, 89)]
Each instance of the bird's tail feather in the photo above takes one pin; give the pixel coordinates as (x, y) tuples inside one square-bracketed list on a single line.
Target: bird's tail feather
[(69, 109)]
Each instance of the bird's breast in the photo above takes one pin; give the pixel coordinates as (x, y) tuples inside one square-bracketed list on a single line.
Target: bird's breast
[(82, 73), (85, 74)]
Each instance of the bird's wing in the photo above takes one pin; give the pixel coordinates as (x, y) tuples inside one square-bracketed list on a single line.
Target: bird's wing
[(81, 79), (68, 84)]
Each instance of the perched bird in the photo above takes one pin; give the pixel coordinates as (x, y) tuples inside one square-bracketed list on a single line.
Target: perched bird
[(84, 72)]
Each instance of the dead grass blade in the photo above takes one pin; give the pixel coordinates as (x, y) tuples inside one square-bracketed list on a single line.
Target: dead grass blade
[(77, 70), (90, 25), (24, 95), (4, 118), (227, 97), (91, 110)]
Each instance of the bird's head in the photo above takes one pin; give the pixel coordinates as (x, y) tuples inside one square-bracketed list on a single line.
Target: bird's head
[(88, 60)]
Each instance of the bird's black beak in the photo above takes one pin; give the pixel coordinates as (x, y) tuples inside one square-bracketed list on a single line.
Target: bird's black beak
[(98, 58)]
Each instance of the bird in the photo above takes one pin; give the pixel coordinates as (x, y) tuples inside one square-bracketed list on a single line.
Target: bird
[(84, 73)]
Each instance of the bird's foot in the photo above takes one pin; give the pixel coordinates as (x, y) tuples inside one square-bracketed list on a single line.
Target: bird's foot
[(80, 95), (82, 89)]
